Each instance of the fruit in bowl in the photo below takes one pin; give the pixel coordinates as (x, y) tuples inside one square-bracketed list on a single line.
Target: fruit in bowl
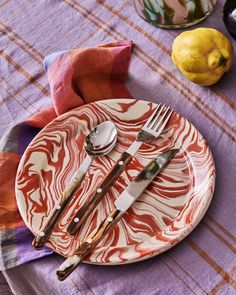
[(203, 55)]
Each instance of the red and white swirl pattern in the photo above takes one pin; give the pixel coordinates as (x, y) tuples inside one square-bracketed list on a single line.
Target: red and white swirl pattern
[(166, 212)]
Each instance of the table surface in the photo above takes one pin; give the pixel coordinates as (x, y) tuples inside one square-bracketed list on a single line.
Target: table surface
[(205, 262)]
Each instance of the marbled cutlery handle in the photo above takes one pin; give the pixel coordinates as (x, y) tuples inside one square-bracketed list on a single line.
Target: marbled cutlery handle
[(70, 264), (83, 213), (45, 232)]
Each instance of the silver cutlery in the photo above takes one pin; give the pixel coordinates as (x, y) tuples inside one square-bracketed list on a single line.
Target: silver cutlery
[(100, 141), (151, 129), (122, 204)]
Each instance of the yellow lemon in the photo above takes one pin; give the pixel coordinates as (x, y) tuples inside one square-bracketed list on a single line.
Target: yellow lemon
[(203, 55)]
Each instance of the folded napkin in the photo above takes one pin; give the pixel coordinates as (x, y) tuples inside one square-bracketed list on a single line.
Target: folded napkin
[(75, 77)]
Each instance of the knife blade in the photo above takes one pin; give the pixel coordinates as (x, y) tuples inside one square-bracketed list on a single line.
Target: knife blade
[(133, 191)]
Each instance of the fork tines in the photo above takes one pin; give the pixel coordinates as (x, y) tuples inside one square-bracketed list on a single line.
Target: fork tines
[(159, 118), (164, 118), (153, 116)]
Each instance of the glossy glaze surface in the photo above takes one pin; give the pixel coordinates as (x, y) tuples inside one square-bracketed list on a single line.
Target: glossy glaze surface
[(168, 210)]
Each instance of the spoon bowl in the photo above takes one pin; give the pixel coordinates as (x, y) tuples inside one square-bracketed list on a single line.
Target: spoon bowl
[(101, 139)]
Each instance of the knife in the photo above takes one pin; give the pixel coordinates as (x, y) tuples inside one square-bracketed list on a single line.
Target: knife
[(122, 204)]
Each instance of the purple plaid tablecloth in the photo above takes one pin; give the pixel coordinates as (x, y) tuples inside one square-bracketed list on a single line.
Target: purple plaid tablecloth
[(205, 262)]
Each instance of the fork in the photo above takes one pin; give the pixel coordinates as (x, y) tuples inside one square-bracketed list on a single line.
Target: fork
[(149, 131)]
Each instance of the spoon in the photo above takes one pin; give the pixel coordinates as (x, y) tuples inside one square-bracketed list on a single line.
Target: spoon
[(100, 141)]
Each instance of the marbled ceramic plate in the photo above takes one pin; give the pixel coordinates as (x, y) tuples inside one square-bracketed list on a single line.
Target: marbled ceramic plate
[(166, 212)]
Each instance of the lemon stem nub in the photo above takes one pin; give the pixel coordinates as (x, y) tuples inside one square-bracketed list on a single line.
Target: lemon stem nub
[(222, 60)]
